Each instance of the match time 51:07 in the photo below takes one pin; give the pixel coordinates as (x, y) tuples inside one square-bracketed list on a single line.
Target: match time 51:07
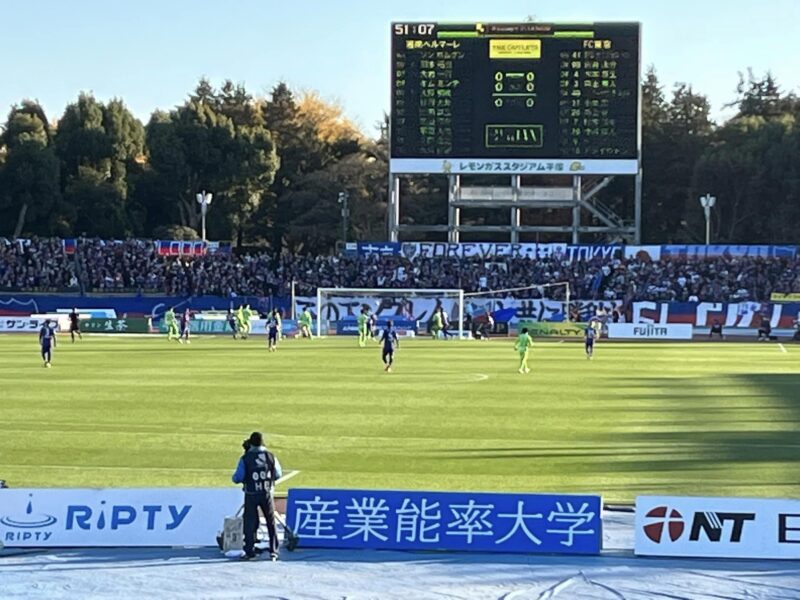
[(414, 28)]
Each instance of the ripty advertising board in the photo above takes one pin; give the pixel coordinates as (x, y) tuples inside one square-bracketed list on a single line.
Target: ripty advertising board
[(114, 517), (717, 527)]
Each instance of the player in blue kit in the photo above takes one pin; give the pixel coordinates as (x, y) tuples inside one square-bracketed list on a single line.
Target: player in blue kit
[(390, 344), (588, 335), (273, 330), (47, 341)]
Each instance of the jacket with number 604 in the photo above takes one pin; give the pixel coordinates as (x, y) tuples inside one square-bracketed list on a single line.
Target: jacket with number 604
[(258, 470)]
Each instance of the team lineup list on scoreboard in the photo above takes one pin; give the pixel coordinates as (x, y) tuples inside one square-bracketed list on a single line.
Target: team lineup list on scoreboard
[(515, 91)]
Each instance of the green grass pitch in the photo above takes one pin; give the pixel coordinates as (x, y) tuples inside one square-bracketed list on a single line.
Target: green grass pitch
[(697, 419)]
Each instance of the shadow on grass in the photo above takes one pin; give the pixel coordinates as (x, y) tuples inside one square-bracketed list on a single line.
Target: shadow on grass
[(698, 440)]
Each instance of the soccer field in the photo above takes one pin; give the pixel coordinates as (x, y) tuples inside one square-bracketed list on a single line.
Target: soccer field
[(698, 419)]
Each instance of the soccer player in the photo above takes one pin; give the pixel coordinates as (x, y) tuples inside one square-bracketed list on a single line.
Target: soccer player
[(240, 321), (436, 324), (445, 324), (231, 319), (172, 324), (47, 341), (305, 322), (273, 330), (185, 319), (524, 342), (372, 325), (588, 335), (596, 323), (362, 327), (716, 328), (246, 314), (75, 325), (390, 343)]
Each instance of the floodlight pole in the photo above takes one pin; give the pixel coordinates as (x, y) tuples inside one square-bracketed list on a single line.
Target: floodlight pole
[(204, 199), (344, 198), (707, 202)]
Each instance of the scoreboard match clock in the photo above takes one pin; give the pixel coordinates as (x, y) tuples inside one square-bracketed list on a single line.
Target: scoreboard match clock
[(515, 98)]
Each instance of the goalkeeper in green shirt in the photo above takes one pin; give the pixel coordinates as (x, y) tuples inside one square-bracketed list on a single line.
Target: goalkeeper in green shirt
[(362, 328), (172, 324), (523, 344)]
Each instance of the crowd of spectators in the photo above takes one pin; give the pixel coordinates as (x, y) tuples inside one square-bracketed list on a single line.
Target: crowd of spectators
[(134, 266), (38, 266)]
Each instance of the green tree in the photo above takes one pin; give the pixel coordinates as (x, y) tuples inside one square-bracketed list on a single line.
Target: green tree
[(215, 141), (29, 177), (98, 145)]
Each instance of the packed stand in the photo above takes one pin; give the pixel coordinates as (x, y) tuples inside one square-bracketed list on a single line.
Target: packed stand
[(38, 266), (134, 266)]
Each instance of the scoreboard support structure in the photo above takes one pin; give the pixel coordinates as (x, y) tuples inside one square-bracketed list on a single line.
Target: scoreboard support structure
[(518, 117), (589, 216)]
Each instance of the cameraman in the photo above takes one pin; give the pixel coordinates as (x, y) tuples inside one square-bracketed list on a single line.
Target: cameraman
[(258, 470)]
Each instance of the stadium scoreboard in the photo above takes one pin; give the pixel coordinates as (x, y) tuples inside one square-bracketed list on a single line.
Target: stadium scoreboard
[(515, 98)]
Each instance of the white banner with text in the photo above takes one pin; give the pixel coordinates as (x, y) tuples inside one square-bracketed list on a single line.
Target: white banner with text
[(115, 517), (717, 527), (649, 331)]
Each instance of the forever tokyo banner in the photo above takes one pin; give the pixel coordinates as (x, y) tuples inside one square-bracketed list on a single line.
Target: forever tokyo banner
[(490, 250), (115, 517), (483, 522)]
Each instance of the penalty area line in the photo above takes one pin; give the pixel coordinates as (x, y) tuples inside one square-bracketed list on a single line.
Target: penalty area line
[(287, 477), (782, 347), (481, 376)]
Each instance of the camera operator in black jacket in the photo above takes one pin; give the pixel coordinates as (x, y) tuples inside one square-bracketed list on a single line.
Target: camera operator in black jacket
[(257, 471)]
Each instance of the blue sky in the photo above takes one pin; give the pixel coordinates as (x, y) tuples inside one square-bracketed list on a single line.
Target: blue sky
[(151, 53)]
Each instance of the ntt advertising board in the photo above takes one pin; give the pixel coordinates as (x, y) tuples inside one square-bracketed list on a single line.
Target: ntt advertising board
[(114, 517), (717, 527), (649, 331)]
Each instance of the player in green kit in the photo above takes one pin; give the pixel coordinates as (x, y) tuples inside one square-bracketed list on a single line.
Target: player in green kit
[(172, 324), (304, 323), (524, 342), (240, 321), (362, 327), (246, 314), (436, 324)]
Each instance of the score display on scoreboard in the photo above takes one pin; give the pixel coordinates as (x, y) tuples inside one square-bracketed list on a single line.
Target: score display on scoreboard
[(516, 98)]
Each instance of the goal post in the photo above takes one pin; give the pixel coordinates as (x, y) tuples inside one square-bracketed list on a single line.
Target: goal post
[(377, 298)]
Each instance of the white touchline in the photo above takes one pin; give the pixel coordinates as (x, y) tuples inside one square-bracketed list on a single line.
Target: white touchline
[(287, 477), (782, 348)]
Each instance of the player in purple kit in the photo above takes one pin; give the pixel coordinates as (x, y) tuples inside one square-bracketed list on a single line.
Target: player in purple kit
[(185, 318)]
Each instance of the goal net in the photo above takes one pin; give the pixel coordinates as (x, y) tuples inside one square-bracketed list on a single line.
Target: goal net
[(542, 302), (398, 305)]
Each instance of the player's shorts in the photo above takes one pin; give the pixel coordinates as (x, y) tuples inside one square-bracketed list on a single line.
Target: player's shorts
[(232, 325), (75, 328), (273, 334), (388, 354), (589, 343), (45, 347)]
